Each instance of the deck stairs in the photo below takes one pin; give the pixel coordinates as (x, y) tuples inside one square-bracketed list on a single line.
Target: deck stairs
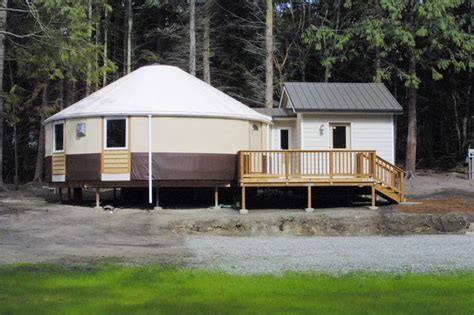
[(389, 181)]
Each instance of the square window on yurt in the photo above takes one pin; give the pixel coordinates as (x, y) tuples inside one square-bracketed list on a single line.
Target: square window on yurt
[(116, 133)]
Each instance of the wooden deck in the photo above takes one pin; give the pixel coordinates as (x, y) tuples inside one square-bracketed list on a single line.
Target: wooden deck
[(307, 168)]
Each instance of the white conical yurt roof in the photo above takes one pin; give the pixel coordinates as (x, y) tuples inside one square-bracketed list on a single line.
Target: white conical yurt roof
[(159, 90)]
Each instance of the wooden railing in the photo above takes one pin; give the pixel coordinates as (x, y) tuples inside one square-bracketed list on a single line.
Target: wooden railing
[(288, 164), (390, 175), (308, 166)]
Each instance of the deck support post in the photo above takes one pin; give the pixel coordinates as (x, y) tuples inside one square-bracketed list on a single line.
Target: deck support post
[(69, 194), (373, 198), (60, 194), (157, 202), (310, 201), (115, 194), (243, 209), (97, 198), (216, 198)]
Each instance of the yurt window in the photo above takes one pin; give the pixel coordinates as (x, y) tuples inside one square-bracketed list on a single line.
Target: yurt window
[(58, 136), (116, 133)]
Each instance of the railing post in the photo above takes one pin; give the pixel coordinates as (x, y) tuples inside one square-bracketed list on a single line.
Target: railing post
[(331, 164), (402, 187), (241, 165), (360, 164), (286, 165), (373, 171)]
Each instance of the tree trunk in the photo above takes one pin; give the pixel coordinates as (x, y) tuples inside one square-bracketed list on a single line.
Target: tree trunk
[(303, 71), (410, 162), (106, 35), (3, 27), (61, 94), (96, 53), (192, 38), (410, 159), (15, 151), (129, 35), (327, 73), (40, 153), (206, 45), (269, 55), (456, 124), (70, 87), (89, 65), (377, 77)]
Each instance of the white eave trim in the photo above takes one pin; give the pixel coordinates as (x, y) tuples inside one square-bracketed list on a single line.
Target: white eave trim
[(289, 99), (261, 118)]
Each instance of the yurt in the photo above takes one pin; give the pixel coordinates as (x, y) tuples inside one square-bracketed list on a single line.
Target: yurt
[(155, 127)]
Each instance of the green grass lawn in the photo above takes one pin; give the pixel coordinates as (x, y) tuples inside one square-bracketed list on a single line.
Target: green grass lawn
[(114, 289)]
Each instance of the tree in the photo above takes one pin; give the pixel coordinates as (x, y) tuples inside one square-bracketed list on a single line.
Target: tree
[(3, 28), (330, 37), (372, 29), (428, 35), (61, 49)]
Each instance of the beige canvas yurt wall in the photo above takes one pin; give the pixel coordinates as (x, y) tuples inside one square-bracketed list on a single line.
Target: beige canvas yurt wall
[(183, 148)]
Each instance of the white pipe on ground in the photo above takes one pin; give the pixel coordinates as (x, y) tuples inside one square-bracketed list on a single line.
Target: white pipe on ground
[(150, 171)]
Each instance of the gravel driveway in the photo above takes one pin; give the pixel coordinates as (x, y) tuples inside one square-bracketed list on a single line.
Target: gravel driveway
[(333, 254)]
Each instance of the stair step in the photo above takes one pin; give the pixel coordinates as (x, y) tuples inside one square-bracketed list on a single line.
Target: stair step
[(389, 193)]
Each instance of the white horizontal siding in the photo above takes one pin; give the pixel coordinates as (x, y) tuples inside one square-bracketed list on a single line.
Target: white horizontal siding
[(284, 124), (368, 131), (297, 133)]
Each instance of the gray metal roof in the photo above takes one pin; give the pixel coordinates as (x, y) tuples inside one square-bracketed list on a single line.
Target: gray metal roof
[(276, 112), (347, 97)]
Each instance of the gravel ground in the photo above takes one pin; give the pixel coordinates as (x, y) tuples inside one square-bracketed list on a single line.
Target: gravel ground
[(333, 254)]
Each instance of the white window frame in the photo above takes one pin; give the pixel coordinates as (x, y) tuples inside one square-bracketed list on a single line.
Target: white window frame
[(106, 119), (279, 138), (59, 122)]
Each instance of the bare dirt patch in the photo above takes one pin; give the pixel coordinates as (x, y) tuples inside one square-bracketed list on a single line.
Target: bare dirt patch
[(431, 184), (321, 225), (444, 205)]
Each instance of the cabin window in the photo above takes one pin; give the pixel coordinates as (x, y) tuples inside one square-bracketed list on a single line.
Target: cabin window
[(116, 133), (284, 139), (58, 137)]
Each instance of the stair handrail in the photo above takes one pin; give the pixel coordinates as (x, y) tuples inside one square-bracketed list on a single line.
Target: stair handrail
[(392, 165), (397, 171)]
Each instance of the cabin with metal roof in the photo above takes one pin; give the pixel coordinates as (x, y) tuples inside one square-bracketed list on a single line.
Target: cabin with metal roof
[(321, 116), (329, 134)]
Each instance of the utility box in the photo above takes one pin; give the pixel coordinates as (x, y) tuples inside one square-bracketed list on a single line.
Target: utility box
[(470, 163)]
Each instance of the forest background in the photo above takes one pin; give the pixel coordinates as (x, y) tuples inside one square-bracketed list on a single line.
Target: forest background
[(55, 52)]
